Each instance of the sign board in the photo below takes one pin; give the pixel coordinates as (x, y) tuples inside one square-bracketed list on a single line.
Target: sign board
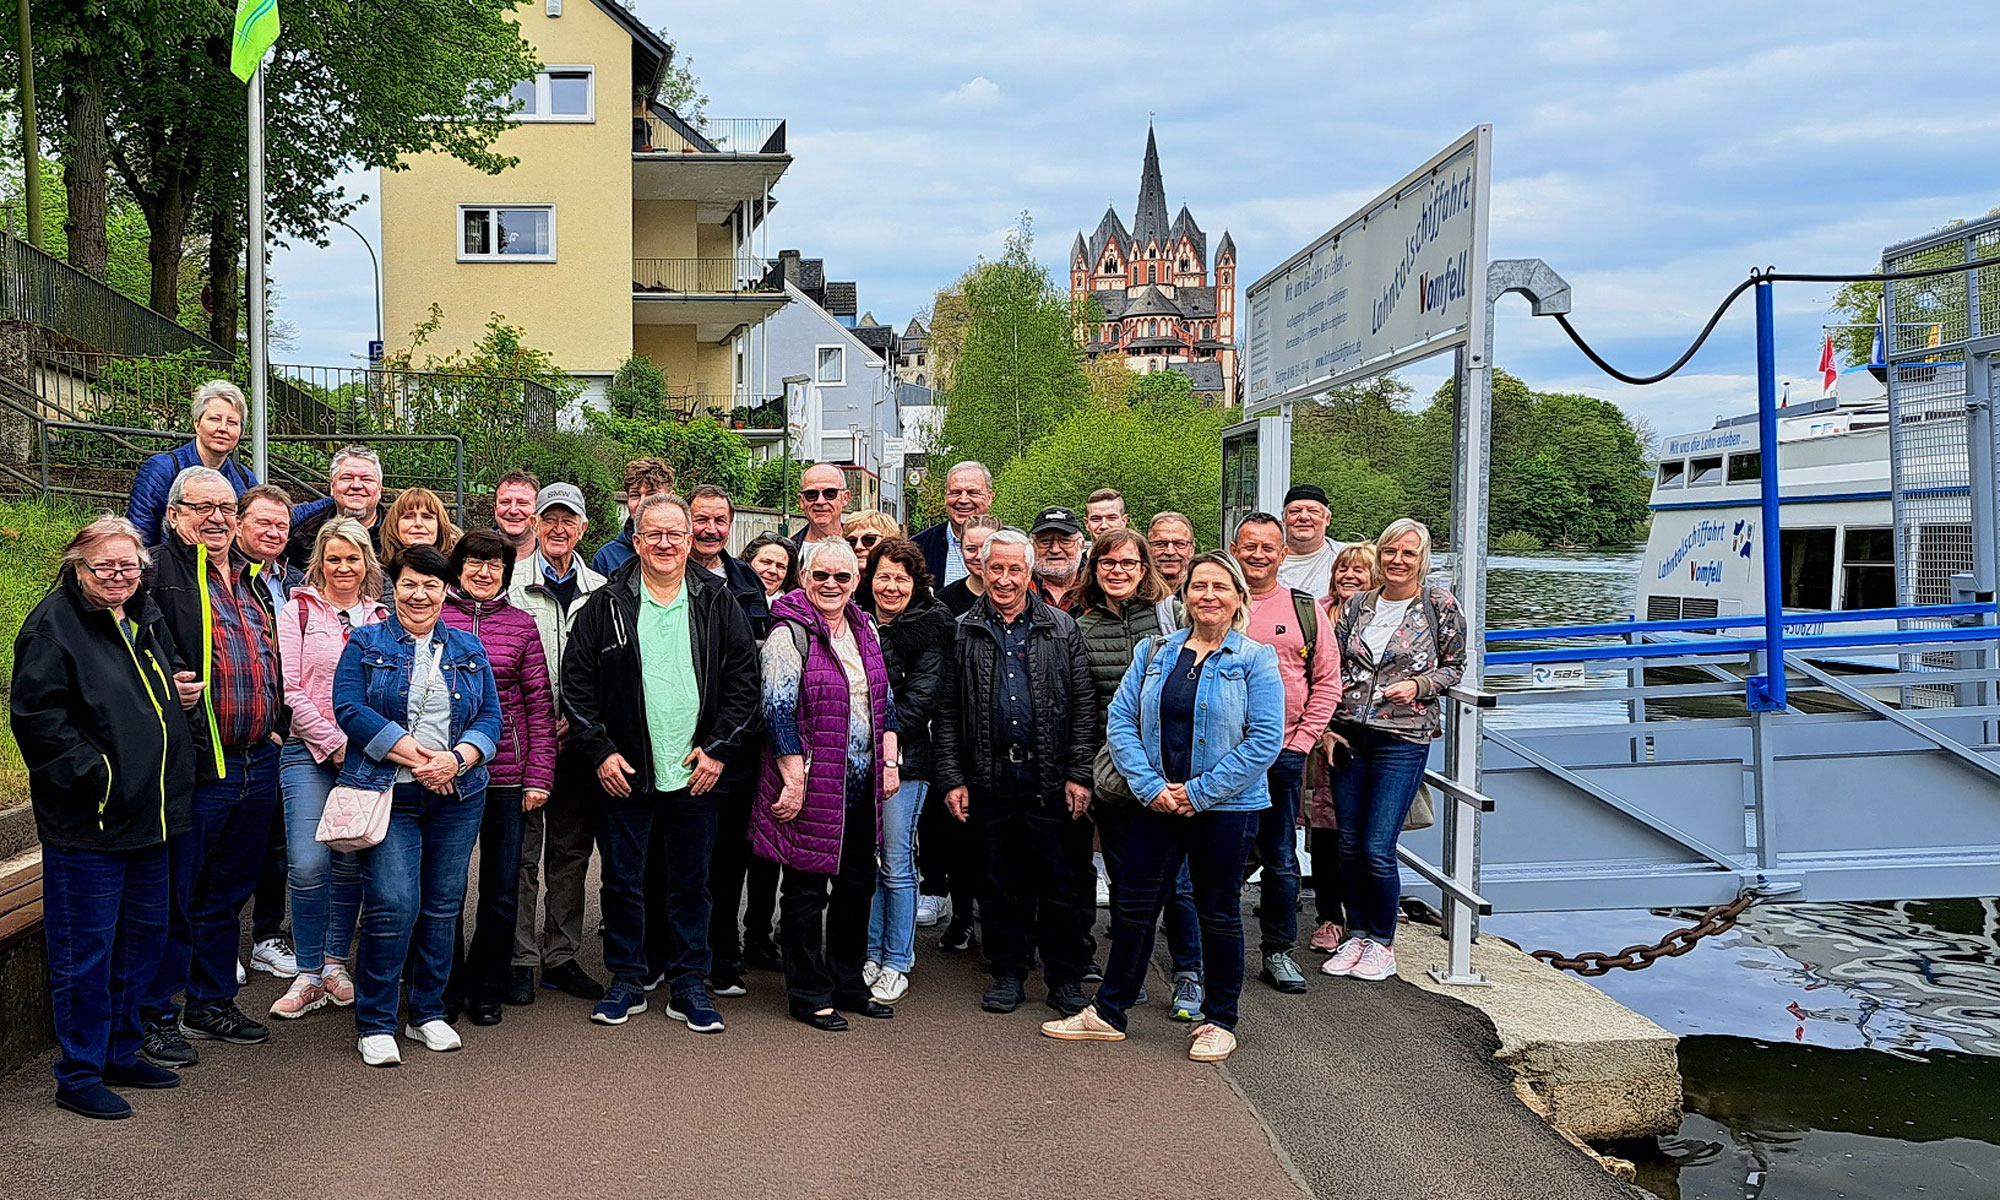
[(1399, 280), (1560, 675), (802, 417), (375, 350)]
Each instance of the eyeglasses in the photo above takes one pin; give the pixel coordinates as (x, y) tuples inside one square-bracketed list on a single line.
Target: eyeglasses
[(1171, 544), (114, 570), (1124, 566), (209, 508), (669, 537), (811, 494), (842, 578), (864, 541)]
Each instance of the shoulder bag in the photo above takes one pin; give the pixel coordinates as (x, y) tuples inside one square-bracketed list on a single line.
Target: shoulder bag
[(1105, 782), (354, 818)]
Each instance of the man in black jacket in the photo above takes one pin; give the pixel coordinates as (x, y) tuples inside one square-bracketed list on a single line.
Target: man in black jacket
[(1014, 740), (968, 492), (661, 686), (207, 593)]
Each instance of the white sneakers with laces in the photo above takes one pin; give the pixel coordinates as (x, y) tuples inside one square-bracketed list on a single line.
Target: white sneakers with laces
[(1344, 958), (889, 985), (870, 972), (274, 956), (931, 910)]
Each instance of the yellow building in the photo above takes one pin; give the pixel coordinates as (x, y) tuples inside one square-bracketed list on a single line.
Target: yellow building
[(623, 228)]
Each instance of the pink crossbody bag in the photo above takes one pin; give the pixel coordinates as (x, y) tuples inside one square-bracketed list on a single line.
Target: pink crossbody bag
[(354, 818)]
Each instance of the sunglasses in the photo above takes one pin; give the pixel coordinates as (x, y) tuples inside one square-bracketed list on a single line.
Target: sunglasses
[(811, 494), (864, 541), (840, 577)]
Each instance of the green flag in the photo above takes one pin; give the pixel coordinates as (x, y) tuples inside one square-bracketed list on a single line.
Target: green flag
[(256, 30)]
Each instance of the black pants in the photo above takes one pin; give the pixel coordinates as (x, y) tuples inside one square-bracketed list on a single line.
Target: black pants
[(948, 857), (823, 920), (1324, 846), (1080, 849), (482, 974), (731, 867), (1030, 899)]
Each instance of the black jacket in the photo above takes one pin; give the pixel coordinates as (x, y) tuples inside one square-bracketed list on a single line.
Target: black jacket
[(749, 592), (916, 651), (109, 754), (604, 689), (307, 519), (1067, 729)]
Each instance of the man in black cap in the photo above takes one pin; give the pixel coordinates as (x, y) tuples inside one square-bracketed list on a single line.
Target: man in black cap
[(1309, 555), (1058, 537)]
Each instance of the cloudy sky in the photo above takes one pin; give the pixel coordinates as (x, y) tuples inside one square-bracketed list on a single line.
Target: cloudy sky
[(1652, 154)]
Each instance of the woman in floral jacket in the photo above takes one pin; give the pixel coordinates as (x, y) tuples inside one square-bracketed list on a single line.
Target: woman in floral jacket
[(1401, 647)]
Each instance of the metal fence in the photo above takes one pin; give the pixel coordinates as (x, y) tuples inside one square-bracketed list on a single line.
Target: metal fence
[(703, 276), (708, 135), (44, 290)]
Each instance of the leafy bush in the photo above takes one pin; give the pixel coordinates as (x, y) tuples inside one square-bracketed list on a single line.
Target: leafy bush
[(1515, 541), (32, 537)]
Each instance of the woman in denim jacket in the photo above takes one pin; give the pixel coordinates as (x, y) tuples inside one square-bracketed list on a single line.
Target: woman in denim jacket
[(1402, 645), (416, 698), (1195, 726)]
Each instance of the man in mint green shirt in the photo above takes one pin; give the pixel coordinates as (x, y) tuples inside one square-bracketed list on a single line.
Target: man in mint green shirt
[(673, 704)]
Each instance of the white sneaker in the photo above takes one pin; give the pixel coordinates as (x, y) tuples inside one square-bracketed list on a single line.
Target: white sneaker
[(274, 956), (241, 976), (870, 972), (889, 986), (1378, 962), (1103, 891), (379, 1050), (931, 910), (1344, 958), (434, 1034)]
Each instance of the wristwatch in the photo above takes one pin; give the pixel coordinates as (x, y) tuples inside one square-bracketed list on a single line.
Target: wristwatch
[(463, 766)]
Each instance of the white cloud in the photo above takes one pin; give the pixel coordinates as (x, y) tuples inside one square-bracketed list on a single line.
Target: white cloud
[(979, 92)]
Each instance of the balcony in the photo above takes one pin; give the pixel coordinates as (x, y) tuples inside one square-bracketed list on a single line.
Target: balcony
[(715, 295), (717, 162)]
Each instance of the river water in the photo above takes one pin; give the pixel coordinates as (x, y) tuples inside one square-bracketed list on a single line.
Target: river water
[(1830, 1050)]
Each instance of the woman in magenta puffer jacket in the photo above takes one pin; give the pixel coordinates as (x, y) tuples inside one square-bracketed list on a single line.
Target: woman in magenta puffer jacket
[(523, 768), (831, 758)]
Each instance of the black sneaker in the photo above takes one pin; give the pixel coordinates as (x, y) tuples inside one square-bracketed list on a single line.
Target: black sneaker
[(568, 977), (521, 986), (1003, 997), (1068, 999), (957, 938), (165, 1047), (727, 980), (1094, 973), (763, 955), (223, 1022)]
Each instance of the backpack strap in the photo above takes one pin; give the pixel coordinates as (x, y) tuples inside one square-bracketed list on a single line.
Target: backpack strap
[(1306, 607)]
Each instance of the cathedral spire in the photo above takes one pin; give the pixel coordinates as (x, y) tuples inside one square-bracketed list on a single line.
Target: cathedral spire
[(1149, 221)]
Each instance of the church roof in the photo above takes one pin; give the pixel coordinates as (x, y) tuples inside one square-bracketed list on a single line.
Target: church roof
[(1205, 375), (1227, 249), (1110, 232), (1149, 220), (1079, 252), (1197, 303), (1184, 224), (1150, 301)]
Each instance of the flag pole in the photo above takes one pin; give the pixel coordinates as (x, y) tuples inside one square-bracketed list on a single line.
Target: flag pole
[(260, 352)]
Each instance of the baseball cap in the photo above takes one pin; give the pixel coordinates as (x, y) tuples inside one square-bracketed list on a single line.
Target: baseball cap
[(1055, 520), (566, 495)]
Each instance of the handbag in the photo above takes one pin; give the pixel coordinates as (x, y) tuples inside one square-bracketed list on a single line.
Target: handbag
[(1105, 782), (354, 818), (1423, 812)]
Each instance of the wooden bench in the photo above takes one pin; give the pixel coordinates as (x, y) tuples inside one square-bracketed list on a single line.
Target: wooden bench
[(20, 904)]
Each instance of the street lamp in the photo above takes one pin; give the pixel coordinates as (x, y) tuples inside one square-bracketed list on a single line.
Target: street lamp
[(376, 263)]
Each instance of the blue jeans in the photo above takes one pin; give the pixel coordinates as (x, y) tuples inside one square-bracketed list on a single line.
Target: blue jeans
[(1214, 846), (1278, 850), (326, 887), (1182, 925), (214, 869), (656, 848), (412, 886), (1371, 799), (105, 915), (892, 919)]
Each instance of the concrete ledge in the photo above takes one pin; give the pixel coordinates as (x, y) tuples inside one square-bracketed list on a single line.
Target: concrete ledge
[(1595, 1068)]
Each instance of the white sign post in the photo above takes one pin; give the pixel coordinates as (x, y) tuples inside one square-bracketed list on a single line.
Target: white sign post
[(1399, 280)]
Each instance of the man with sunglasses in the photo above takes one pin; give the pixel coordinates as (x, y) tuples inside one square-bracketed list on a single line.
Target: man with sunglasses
[(661, 686), (207, 593), (822, 498)]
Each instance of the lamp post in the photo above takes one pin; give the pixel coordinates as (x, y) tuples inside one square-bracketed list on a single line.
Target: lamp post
[(376, 263)]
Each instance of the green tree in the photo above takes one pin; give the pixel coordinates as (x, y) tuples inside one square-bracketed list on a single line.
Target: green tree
[(1858, 305)]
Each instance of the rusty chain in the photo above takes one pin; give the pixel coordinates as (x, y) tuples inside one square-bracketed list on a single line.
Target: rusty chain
[(1719, 919)]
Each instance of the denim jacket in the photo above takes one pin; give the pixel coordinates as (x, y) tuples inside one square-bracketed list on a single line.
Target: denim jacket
[(1239, 723), (371, 699)]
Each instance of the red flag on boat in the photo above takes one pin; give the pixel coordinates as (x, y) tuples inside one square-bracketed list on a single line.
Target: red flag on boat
[(1828, 373)]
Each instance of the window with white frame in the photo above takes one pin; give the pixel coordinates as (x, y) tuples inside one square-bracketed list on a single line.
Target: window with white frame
[(558, 94), (830, 364), (507, 233)]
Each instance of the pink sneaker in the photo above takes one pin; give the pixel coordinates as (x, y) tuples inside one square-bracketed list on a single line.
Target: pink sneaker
[(1326, 939), (1344, 957), (1378, 962), (302, 997), (339, 985)]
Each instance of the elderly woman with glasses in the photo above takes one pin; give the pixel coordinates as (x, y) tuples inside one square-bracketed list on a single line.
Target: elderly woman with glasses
[(831, 760), (103, 730)]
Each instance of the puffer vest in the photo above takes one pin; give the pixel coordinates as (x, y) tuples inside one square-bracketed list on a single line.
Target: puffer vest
[(811, 841)]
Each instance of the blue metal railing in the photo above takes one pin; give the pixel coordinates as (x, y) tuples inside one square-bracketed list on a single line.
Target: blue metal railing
[(1742, 645), (1624, 628)]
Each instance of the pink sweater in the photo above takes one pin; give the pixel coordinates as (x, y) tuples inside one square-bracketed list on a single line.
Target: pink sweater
[(310, 640), (1310, 694)]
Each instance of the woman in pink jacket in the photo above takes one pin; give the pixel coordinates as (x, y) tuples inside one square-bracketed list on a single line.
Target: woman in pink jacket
[(522, 771), (341, 593)]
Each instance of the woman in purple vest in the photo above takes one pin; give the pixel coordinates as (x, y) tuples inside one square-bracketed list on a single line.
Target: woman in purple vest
[(831, 758)]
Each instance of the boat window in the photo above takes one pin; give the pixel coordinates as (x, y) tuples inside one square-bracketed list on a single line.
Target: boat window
[(1703, 472), (1868, 570), (1806, 557), (1673, 473), (1746, 468)]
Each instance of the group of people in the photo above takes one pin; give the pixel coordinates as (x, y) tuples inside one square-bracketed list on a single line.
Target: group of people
[(789, 759)]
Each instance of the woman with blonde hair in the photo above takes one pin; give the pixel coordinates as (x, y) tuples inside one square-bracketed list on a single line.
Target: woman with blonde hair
[(1356, 569), (416, 517), (867, 528)]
